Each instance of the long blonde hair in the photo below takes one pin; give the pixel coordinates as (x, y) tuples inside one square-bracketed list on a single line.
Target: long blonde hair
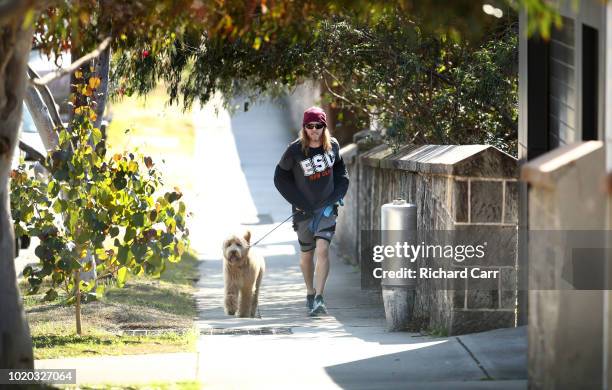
[(325, 140)]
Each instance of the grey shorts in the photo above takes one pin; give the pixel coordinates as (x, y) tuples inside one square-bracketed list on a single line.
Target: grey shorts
[(307, 238)]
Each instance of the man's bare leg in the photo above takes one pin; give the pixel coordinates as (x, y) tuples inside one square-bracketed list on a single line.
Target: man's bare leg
[(307, 266), (322, 267)]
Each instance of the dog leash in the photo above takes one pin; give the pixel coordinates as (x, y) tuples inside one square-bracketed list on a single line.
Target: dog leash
[(325, 212), (276, 227)]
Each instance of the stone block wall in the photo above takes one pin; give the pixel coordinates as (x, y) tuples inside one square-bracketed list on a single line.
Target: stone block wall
[(346, 239), (566, 326), (455, 188)]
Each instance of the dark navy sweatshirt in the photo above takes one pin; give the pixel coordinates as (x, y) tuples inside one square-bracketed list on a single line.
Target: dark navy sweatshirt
[(313, 181)]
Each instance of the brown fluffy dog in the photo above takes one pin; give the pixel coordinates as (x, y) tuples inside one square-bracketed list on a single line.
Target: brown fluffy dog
[(243, 269)]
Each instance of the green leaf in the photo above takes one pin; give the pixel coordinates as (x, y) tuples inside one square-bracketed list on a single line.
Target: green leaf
[(96, 135), (174, 258), (64, 136), (153, 263), (170, 225), (53, 189), (27, 271), (83, 236), (73, 194), (172, 196), (64, 265), (180, 248), (100, 149), (138, 220), (179, 221), (167, 239), (72, 221), (90, 286), (114, 231), (28, 213), (139, 251), (130, 233), (47, 268), (133, 167), (57, 206), (61, 174), (60, 155), (75, 265), (119, 183), (123, 255), (257, 43), (100, 291), (122, 276), (42, 252), (50, 295), (58, 277)]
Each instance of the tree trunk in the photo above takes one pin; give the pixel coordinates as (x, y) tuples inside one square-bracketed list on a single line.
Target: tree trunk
[(15, 340), (103, 63), (77, 306)]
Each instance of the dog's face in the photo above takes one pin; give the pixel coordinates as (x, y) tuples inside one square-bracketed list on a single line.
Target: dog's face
[(236, 249)]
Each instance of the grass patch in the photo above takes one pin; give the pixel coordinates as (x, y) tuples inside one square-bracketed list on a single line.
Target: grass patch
[(149, 126), (186, 273), (166, 305), (167, 128), (50, 346), (437, 331), (189, 385)]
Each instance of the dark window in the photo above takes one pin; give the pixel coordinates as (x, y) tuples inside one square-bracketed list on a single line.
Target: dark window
[(562, 84), (537, 97), (589, 82)]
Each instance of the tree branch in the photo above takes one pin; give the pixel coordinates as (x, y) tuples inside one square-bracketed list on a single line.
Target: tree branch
[(102, 68), (74, 65), (33, 153), (47, 98), (338, 96), (42, 117), (509, 122)]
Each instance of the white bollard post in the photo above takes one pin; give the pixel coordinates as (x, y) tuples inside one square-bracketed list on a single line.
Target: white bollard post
[(398, 221)]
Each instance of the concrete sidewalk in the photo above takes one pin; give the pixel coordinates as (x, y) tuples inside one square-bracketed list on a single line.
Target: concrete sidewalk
[(348, 349), (129, 369)]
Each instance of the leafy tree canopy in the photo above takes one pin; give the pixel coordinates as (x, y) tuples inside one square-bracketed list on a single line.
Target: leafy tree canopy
[(375, 56), (424, 87)]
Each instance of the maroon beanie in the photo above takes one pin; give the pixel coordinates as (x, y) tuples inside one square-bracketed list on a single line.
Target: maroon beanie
[(314, 114)]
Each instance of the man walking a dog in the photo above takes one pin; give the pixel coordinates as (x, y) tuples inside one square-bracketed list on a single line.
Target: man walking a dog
[(311, 175)]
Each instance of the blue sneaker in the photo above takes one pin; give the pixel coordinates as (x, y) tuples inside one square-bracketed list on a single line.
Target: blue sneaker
[(319, 307), (310, 299)]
